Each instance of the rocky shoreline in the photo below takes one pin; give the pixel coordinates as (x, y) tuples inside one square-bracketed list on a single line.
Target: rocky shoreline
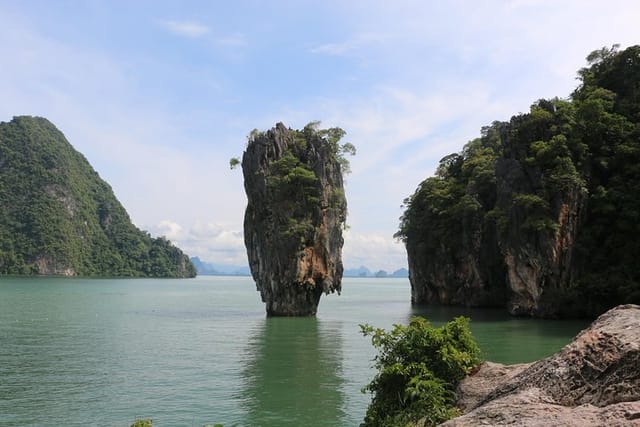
[(593, 381)]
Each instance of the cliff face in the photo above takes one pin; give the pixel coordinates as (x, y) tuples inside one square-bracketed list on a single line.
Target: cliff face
[(462, 274), (540, 213), (497, 226), (59, 218), (293, 222), (540, 219), (452, 245)]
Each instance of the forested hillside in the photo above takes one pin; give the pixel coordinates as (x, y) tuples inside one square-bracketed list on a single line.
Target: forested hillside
[(58, 217), (540, 213)]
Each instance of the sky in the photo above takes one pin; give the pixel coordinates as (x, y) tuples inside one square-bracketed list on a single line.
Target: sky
[(159, 95)]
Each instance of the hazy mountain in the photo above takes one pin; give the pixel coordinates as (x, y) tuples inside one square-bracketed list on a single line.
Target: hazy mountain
[(212, 269), (402, 272), (363, 271)]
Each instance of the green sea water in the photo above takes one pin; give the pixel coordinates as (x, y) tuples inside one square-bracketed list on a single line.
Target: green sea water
[(88, 352)]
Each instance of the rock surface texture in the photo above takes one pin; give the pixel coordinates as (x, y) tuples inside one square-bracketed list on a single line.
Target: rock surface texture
[(593, 381), (295, 213)]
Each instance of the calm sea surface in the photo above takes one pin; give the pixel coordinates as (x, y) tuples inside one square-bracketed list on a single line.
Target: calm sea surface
[(84, 352)]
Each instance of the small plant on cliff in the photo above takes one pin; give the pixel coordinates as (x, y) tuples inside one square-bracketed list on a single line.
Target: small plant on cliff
[(419, 367), (331, 137)]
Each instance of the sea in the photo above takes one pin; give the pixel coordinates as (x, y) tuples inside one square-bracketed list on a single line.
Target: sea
[(195, 352)]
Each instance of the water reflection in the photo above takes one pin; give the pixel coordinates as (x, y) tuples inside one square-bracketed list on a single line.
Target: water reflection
[(293, 374)]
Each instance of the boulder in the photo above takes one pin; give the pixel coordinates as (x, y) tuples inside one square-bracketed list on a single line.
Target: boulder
[(593, 381)]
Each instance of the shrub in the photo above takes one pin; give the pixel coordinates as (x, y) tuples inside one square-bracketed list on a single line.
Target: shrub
[(419, 367)]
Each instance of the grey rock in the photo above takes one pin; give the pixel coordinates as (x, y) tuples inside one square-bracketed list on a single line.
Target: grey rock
[(593, 381)]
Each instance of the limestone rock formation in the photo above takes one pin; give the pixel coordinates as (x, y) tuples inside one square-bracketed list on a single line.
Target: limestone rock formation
[(539, 261), (593, 381), (539, 214), (296, 209)]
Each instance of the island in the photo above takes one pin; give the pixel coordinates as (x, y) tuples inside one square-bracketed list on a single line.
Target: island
[(60, 218), (540, 213), (296, 211)]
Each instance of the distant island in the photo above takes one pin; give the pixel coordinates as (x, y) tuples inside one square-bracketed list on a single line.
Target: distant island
[(363, 271), (212, 269), (59, 217)]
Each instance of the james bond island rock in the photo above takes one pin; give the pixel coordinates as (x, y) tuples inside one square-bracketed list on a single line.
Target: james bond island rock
[(539, 214), (57, 217), (295, 214), (593, 381)]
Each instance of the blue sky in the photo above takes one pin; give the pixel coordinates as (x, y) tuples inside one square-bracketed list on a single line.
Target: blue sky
[(159, 95)]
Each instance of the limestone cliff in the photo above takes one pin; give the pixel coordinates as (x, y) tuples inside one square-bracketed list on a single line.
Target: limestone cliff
[(296, 209), (452, 245), (455, 276), (493, 228), (539, 214), (540, 220)]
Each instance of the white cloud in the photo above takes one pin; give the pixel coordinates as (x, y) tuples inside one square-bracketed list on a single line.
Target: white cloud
[(355, 43), (211, 242), (190, 29), (223, 244), (169, 229), (197, 30)]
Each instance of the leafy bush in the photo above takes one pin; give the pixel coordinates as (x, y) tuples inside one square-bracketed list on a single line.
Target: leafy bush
[(419, 367)]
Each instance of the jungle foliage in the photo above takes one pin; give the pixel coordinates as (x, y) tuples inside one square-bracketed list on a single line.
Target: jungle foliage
[(57, 211)]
